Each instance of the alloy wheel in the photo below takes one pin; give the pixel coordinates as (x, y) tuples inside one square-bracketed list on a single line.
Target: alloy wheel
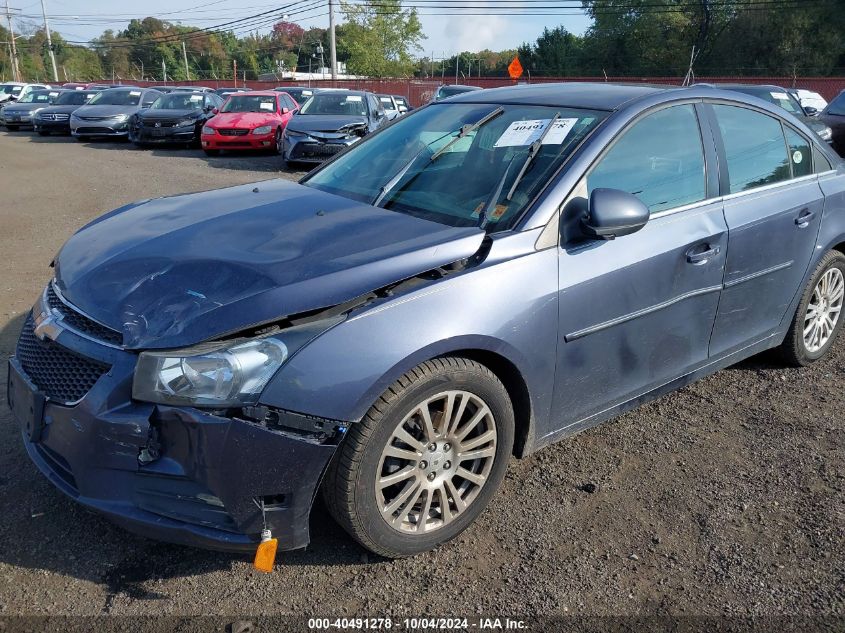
[(824, 310), (436, 462)]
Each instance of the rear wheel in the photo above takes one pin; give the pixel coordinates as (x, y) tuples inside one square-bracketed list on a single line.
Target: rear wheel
[(817, 321), (425, 460)]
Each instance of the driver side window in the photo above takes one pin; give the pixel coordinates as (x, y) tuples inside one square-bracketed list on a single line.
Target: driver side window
[(659, 159)]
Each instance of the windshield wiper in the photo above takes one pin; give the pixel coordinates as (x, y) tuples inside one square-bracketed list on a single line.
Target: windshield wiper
[(533, 150), (462, 132), (467, 129), (532, 154)]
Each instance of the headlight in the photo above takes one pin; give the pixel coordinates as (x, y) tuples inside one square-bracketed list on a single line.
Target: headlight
[(264, 129), (185, 122), (223, 374), (207, 130), (121, 117)]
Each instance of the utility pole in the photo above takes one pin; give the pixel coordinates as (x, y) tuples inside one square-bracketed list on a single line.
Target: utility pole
[(185, 57), (332, 40), (50, 42), (457, 63), (16, 74)]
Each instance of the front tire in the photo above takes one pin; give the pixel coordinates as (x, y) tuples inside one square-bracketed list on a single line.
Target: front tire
[(425, 460), (278, 142), (818, 319)]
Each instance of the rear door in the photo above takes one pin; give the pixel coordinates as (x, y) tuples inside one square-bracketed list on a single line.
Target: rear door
[(773, 207), (637, 311)]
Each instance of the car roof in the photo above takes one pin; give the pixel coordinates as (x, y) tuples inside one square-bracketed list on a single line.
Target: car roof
[(736, 86), (593, 96), (257, 93)]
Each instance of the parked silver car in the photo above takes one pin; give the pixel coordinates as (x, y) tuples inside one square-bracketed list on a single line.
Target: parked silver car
[(109, 112), (20, 114)]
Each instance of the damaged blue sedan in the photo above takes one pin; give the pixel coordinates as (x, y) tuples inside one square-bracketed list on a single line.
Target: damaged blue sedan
[(485, 276)]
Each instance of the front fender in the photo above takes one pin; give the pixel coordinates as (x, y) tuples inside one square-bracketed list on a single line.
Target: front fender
[(508, 308)]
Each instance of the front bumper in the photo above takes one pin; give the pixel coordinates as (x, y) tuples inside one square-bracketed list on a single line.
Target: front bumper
[(58, 127), (144, 134), (109, 127), (247, 141), (176, 474), (307, 149), (19, 120)]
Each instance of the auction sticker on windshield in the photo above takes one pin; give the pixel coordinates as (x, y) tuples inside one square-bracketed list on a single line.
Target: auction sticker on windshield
[(526, 132)]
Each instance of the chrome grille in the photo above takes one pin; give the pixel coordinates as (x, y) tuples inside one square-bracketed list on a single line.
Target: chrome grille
[(232, 131)]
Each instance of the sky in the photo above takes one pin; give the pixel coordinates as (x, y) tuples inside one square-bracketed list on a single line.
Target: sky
[(81, 20)]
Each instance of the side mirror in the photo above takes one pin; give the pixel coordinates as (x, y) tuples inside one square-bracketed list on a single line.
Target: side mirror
[(810, 111), (215, 111), (613, 213), (285, 110)]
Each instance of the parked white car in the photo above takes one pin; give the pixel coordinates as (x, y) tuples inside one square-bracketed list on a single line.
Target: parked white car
[(809, 99), (14, 90)]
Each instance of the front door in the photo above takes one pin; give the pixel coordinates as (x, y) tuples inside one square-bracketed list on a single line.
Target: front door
[(638, 311)]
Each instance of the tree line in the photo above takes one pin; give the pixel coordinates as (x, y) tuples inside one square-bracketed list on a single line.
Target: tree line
[(383, 38)]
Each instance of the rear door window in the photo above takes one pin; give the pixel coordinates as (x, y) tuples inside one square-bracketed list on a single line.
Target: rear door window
[(754, 147), (800, 154), (659, 159)]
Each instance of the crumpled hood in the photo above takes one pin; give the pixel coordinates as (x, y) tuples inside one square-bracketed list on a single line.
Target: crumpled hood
[(106, 110), (176, 271), (323, 122), (243, 119)]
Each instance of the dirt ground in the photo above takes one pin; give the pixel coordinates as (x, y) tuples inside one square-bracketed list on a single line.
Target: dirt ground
[(726, 498)]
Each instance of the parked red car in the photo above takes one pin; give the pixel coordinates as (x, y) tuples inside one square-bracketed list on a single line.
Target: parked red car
[(249, 120)]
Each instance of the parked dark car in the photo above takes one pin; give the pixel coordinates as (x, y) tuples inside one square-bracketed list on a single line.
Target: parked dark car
[(300, 94), (225, 92), (56, 117), (482, 278), (834, 116), (177, 117), (109, 112), (784, 99), (329, 122), (444, 92), (22, 112)]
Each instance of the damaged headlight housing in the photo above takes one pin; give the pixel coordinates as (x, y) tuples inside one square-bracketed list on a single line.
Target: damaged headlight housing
[(222, 374)]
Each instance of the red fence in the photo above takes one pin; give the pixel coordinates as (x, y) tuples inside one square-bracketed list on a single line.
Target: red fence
[(419, 91)]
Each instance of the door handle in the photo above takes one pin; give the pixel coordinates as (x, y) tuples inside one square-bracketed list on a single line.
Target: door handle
[(699, 257), (804, 218)]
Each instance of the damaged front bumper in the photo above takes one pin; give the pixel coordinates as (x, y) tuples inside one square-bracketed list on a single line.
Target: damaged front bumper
[(178, 474)]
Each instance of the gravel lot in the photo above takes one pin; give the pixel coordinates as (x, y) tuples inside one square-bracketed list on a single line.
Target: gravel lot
[(726, 498)]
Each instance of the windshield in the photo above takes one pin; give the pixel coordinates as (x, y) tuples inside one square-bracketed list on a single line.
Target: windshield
[(459, 183), (338, 103), (117, 98), (76, 97), (10, 90), (451, 91), (837, 106), (37, 97), (249, 103), (178, 101), (779, 98)]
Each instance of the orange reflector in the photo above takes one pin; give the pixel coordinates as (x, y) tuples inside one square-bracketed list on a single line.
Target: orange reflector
[(265, 555)]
